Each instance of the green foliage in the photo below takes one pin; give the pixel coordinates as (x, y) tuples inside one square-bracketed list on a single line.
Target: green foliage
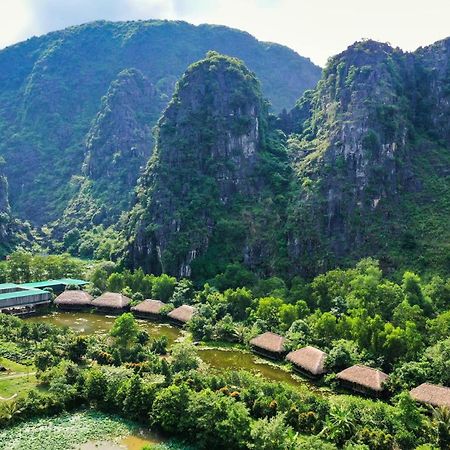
[(125, 333), (163, 287), (56, 83), (184, 357), (23, 267), (272, 434), (170, 408)]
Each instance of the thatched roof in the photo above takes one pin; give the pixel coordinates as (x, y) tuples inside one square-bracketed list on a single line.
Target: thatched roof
[(183, 313), (431, 394), (111, 300), (75, 298), (308, 358), (367, 377), (149, 307), (269, 341)]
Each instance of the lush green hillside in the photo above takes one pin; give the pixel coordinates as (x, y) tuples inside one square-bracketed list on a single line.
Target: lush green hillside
[(51, 89), (362, 168)]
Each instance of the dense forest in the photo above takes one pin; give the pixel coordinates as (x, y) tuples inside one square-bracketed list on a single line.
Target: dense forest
[(201, 168), (358, 168), (360, 174)]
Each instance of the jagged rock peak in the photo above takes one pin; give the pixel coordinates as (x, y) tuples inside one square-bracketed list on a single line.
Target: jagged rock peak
[(121, 129), (204, 163), (374, 122)]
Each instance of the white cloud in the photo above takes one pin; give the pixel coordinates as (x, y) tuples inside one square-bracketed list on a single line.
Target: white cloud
[(314, 28), (15, 20)]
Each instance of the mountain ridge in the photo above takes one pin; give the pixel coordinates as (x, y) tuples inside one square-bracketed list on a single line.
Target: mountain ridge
[(51, 89)]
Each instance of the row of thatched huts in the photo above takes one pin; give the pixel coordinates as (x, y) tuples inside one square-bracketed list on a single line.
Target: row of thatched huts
[(113, 302), (308, 360), (151, 309), (311, 361)]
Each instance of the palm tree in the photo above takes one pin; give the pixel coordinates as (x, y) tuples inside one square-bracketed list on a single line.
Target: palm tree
[(441, 420), (239, 332), (339, 424)]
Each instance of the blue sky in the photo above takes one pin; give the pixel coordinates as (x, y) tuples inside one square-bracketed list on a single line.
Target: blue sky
[(314, 28)]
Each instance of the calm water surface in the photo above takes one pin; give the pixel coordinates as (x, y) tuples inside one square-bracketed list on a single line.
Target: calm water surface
[(238, 360), (92, 323)]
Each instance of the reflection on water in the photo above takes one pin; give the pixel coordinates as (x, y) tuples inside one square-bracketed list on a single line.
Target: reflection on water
[(92, 323), (137, 441)]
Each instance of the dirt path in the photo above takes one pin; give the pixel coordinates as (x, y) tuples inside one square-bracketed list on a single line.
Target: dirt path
[(9, 398), (17, 375)]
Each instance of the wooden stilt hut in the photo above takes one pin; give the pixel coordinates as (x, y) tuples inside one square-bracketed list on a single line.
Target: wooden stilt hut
[(269, 344), (363, 379), (181, 315), (73, 300), (308, 360), (431, 394)]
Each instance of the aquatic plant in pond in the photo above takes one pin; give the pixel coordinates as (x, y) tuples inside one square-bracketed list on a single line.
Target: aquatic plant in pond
[(64, 432)]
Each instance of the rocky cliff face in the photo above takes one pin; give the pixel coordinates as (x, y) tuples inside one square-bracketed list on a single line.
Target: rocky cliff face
[(364, 160), (432, 98), (206, 175), (4, 203), (365, 172), (118, 146)]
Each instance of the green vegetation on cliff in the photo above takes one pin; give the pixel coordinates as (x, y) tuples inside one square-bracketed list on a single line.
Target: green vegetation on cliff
[(217, 179), (51, 90), (371, 161), (365, 172)]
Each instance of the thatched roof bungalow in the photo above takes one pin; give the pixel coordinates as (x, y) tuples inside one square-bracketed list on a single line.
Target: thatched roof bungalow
[(269, 344), (363, 379), (308, 360), (431, 394), (181, 315), (73, 299), (148, 309), (112, 302)]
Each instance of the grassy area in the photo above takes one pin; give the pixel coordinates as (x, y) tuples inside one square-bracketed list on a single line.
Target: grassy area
[(19, 386), (18, 379), (65, 432), (13, 367)]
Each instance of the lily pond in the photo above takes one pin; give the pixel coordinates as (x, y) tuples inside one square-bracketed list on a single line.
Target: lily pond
[(87, 430)]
